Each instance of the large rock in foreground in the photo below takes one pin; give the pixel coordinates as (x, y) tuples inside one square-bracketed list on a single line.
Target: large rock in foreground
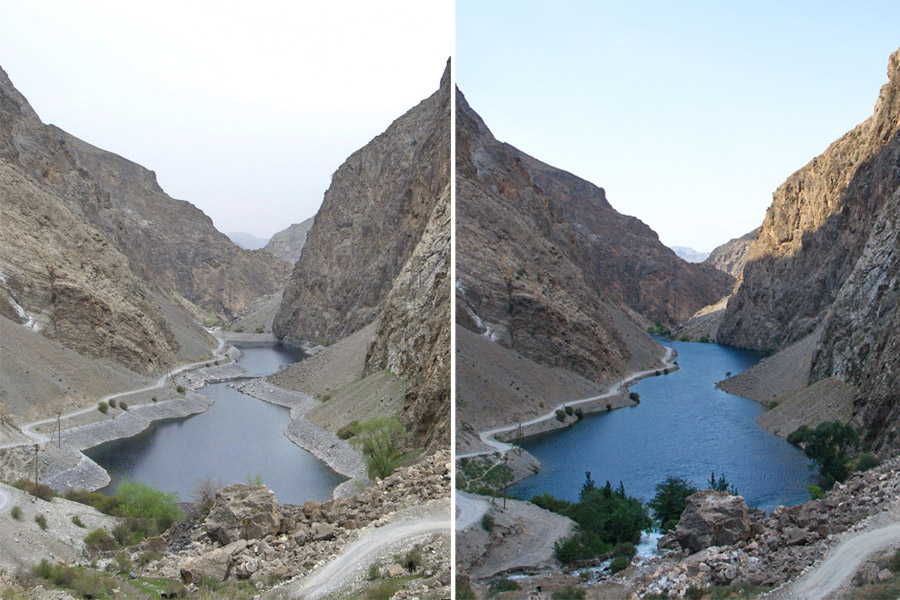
[(243, 511), (712, 518)]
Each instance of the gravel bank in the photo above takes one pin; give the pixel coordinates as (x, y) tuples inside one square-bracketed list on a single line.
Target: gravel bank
[(338, 454)]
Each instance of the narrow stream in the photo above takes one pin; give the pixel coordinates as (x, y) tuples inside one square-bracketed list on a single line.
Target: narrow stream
[(682, 427), (238, 439)]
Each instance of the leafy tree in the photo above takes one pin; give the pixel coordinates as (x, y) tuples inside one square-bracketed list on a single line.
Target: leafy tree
[(153, 511), (379, 440), (827, 445), (669, 501), (721, 484)]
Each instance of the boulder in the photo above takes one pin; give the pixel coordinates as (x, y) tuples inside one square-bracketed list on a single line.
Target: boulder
[(243, 512), (712, 518), (215, 564), (323, 531)]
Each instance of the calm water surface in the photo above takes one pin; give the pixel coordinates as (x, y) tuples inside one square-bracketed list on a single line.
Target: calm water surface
[(683, 427), (239, 437)]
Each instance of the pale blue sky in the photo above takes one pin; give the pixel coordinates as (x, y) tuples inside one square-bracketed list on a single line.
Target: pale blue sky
[(689, 114)]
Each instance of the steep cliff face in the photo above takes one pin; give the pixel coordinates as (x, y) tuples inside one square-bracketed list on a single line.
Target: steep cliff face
[(371, 219), (288, 243), (413, 336), (816, 230), (167, 242), (541, 255), (731, 256)]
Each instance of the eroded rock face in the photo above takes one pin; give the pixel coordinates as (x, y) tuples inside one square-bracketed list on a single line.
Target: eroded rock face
[(731, 256), (243, 511), (816, 230), (712, 518), (543, 260), (288, 243)]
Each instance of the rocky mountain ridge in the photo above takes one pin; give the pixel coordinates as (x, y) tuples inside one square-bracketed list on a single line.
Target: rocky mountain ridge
[(544, 261), (288, 243), (731, 256)]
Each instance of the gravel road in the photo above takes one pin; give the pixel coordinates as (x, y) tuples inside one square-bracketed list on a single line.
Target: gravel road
[(469, 510)]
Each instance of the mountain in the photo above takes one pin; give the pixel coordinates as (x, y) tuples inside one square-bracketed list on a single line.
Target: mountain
[(731, 256), (689, 254), (288, 243), (827, 259), (379, 251), (547, 268), (94, 255), (247, 241)]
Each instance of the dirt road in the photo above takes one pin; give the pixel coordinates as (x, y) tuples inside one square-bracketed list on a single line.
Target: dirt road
[(469, 510), (842, 562)]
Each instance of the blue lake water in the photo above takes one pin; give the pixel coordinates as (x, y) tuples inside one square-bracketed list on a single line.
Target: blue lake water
[(683, 427), (237, 439)]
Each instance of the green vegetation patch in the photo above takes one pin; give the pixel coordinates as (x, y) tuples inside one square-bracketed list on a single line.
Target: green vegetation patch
[(481, 475)]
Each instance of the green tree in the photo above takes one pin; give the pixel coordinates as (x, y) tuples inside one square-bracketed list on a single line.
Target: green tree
[(669, 501), (721, 484), (154, 510), (827, 445), (379, 440)]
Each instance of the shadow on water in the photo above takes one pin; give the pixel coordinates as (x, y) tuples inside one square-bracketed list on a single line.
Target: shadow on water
[(237, 439), (683, 427)]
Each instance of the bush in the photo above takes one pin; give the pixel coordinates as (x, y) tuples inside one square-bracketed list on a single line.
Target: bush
[(570, 592), (560, 415), (123, 563), (260, 330), (373, 573), (669, 501), (827, 446), (625, 549), (579, 413), (619, 563), (609, 408), (867, 461), (105, 504), (894, 565), (41, 520), (721, 484), (180, 389), (464, 589), (123, 405), (635, 397), (569, 410), (487, 522), (153, 399), (112, 403), (204, 494), (100, 539), (155, 510), (103, 407), (815, 492), (380, 440), (77, 521), (349, 430), (16, 512), (44, 492), (413, 559), (503, 585), (704, 339)]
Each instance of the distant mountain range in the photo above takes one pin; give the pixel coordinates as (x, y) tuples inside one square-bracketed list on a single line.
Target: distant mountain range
[(247, 241), (689, 254)]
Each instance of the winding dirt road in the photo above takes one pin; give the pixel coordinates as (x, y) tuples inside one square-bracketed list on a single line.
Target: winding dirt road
[(842, 562), (469, 510), (28, 429)]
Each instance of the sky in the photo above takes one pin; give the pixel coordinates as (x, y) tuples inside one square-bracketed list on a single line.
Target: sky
[(688, 114), (243, 109)]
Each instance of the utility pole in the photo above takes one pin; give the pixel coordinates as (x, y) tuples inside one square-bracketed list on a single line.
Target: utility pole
[(58, 429), (37, 449)]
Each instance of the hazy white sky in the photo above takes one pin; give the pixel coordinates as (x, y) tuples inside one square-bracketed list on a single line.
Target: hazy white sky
[(689, 114), (244, 109)]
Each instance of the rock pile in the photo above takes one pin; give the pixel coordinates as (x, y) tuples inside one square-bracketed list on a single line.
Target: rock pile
[(247, 535), (777, 547)]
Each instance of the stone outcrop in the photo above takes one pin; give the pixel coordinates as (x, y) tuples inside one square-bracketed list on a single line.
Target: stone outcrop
[(816, 230), (242, 512), (731, 256), (371, 220), (712, 518), (288, 243), (543, 261)]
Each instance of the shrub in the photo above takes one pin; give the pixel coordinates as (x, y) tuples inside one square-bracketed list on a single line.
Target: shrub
[(503, 585), (669, 501), (16, 512), (348, 431), (694, 593), (77, 521), (487, 522), (254, 478), (413, 559), (464, 589), (44, 492), (103, 503), (123, 405), (704, 339), (180, 389), (827, 445), (579, 413), (100, 539), (560, 415), (373, 573), (635, 397), (260, 330), (147, 557), (380, 440), (204, 494), (894, 565), (570, 592), (815, 492), (153, 399), (41, 520), (569, 410), (609, 408), (112, 403), (625, 549), (619, 563), (721, 484), (867, 461), (103, 407), (155, 509)]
